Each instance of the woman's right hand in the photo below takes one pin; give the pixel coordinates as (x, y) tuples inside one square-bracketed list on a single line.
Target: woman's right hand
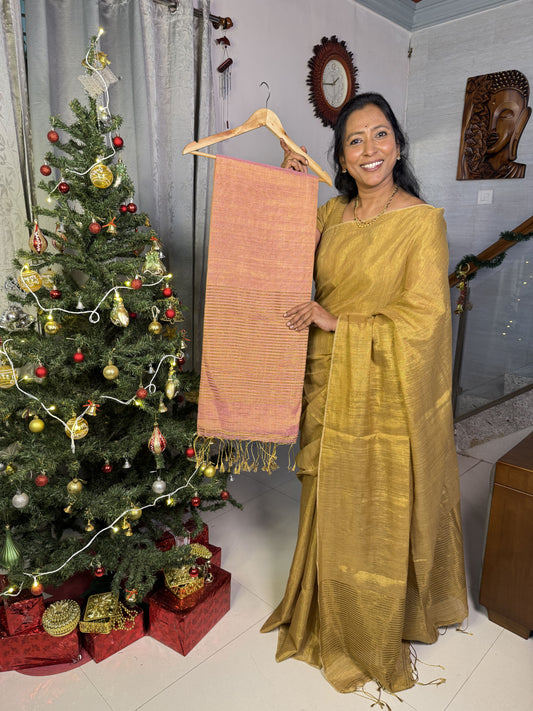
[(292, 160)]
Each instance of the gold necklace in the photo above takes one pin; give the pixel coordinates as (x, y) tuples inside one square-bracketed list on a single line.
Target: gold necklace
[(363, 223)]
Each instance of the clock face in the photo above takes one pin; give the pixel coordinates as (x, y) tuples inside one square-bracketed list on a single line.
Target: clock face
[(335, 83), (331, 79)]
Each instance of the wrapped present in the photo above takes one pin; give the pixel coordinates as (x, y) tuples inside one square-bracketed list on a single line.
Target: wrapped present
[(166, 542), (187, 580), (182, 629), (101, 646), (104, 612), (35, 647), (23, 612), (216, 554), (73, 588)]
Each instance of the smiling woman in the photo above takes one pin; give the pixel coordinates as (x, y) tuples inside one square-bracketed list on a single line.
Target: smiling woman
[(378, 560)]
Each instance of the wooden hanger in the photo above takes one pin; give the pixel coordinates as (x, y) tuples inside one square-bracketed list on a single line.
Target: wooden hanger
[(261, 117)]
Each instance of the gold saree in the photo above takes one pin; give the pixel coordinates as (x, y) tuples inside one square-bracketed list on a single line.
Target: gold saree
[(379, 559)]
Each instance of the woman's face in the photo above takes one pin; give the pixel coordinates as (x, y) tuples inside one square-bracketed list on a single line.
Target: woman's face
[(369, 147)]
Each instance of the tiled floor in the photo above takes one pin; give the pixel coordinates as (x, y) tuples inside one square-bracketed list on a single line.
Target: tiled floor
[(233, 667)]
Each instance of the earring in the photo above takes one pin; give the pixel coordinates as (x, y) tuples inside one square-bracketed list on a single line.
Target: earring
[(343, 170), (398, 157)]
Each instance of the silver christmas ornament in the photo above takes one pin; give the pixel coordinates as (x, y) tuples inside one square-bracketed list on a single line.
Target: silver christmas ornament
[(159, 486), (20, 500)]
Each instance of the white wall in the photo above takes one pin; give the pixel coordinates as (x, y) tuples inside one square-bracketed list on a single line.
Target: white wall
[(273, 41), (443, 58)]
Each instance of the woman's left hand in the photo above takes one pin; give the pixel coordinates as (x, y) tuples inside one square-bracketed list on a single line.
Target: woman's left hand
[(304, 315)]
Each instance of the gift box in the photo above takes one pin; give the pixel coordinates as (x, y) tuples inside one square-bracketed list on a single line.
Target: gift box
[(102, 646), (182, 629), (168, 540), (23, 612), (216, 554), (35, 647), (202, 536)]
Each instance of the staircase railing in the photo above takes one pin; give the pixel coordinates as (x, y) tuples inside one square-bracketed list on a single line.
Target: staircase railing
[(464, 272)]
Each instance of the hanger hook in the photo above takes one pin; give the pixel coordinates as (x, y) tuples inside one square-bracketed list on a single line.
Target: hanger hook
[(268, 89)]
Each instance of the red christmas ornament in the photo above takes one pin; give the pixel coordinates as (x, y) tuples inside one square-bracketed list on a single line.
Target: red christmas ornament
[(194, 572), (63, 187), (170, 313), (123, 209), (55, 294), (132, 207), (189, 452), (196, 501), (142, 393), (118, 142), (45, 169), (41, 479), (224, 495), (95, 227), (78, 357), (53, 136), (41, 371), (167, 291), (136, 283), (132, 314), (107, 468), (37, 589), (99, 571), (180, 361)]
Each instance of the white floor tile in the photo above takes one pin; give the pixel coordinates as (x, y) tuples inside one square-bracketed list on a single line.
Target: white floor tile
[(258, 543), (245, 676), (502, 681), (60, 692), (134, 675)]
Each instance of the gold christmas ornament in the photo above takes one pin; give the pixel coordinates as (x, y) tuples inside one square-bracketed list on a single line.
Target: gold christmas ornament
[(76, 427), (162, 407), (110, 372), (153, 264), (8, 376), (135, 513), (68, 509), (101, 176), (61, 618), (29, 280), (155, 328), (48, 278), (37, 241), (210, 471), (119, 315), (36, 425), (51, 327), (75, 486), (89, 527)]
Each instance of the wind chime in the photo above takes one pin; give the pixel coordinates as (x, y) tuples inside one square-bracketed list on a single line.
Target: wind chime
[(224, 69)]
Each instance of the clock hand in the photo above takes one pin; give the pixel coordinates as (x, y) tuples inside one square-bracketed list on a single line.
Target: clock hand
[(330, 83)]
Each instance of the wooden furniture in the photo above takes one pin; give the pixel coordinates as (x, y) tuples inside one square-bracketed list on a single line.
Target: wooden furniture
[(507, 580)]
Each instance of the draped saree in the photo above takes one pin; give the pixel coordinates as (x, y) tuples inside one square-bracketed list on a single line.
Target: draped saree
[(378, 560)]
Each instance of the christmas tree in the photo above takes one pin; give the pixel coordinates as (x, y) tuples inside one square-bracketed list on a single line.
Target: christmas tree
[(97, 417)]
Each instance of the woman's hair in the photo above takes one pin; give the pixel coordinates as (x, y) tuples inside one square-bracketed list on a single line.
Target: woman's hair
[(402, 173)]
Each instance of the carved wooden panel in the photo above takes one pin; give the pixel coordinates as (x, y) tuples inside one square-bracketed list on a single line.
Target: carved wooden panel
[(495, 114)]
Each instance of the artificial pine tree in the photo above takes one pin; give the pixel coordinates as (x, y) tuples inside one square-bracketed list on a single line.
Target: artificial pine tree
[(96, 426)]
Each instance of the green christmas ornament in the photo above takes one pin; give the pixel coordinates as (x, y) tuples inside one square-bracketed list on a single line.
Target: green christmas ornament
[(10, 554), (153, 264)]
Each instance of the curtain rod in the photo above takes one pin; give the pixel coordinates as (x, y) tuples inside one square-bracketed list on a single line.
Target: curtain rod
[(218, 22)]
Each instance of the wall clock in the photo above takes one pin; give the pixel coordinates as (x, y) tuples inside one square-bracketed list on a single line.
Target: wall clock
[(331, 79)]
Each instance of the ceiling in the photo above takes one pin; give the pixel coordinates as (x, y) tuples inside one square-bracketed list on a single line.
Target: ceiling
[(418, 14)]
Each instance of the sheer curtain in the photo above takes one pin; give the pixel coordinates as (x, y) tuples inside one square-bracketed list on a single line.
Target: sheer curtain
[(15, 170), (162, 59)]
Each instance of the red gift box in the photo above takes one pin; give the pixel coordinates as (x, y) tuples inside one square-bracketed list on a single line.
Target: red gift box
[(183, 629), (216, 557), (102, 646), (202, 536), (23, 612), (35, 647)]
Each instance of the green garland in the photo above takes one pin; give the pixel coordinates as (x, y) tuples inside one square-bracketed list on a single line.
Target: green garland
[(488, 263)]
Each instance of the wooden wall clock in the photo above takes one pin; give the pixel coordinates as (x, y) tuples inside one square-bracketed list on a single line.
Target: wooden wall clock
[(331, 79)]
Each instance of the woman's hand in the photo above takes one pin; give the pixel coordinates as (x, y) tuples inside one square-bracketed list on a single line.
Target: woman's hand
[(304, 315), (292, 160)]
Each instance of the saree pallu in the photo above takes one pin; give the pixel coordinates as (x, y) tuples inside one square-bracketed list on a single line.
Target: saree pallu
[(379, 559), (260, 263)]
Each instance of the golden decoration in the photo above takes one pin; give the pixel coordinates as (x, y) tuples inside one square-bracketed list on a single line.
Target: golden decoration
[(110, 372), (155, 328), (48, 278), (36, 425), (77, 427), (61, 618), (37, 241), (101, 176), (104, 613), (210, 471), (51, 327), (8, 377), (119, 316), (29, 280), (98, 57), (111, 227), (75, 486), (135, 513)]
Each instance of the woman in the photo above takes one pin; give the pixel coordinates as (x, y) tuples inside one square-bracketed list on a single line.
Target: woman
[(378, 560)]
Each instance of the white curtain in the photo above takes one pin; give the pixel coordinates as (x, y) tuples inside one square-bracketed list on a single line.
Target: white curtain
[(162, 59), (15, 163)]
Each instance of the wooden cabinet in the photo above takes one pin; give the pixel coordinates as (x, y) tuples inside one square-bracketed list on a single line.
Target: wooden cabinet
[(507, 579)]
